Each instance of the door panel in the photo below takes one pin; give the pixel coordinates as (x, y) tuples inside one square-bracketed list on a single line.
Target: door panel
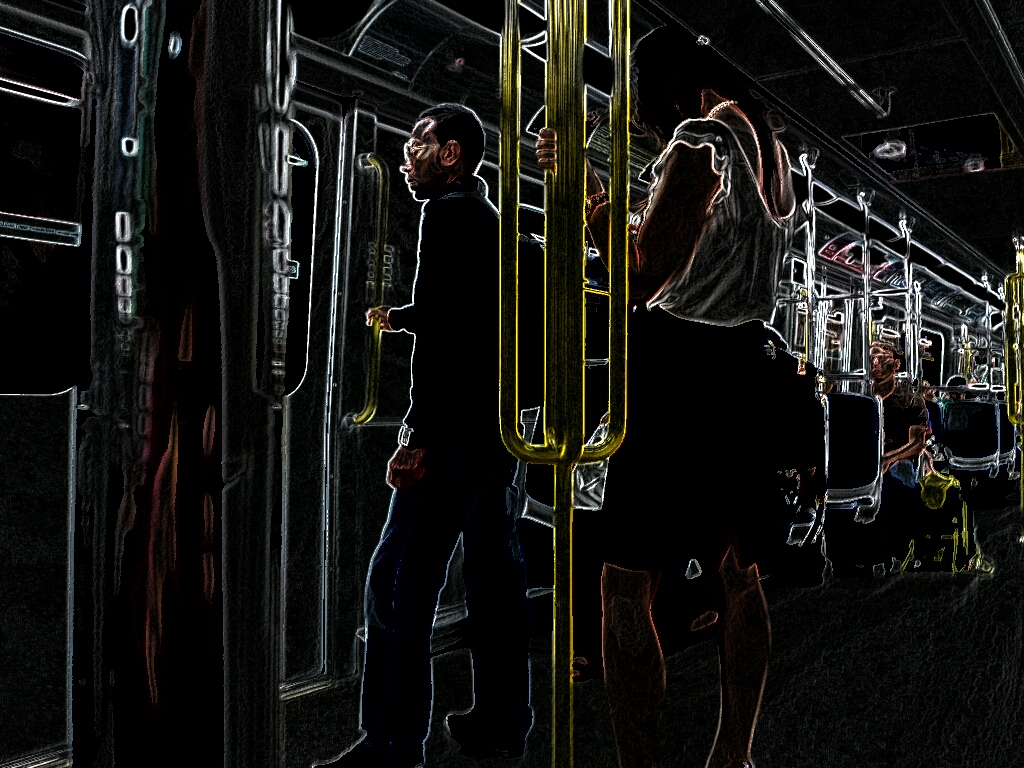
[(37, 450), (307, 408), (360, 453)]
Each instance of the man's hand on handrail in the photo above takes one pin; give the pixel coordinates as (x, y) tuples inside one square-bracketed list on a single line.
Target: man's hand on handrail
[(382, 313)]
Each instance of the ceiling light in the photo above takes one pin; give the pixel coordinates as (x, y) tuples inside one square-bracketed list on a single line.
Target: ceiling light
[(890, 149)]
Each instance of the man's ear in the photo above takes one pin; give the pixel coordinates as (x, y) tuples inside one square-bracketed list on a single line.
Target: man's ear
[(450, 154), (896, 360)]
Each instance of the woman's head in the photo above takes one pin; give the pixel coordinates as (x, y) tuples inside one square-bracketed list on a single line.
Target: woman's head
[(670, 69)]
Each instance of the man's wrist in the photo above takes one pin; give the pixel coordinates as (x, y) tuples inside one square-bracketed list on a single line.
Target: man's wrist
[(404, 436)]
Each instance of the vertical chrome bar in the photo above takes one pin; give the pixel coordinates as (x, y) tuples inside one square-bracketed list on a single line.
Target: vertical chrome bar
[(807, 160), (910, 303), (864, 199)]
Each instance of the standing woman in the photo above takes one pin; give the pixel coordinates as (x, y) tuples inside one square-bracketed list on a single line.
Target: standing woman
[(718, 411)]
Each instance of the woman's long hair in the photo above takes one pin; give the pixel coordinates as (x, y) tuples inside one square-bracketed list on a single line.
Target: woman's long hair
[(670, 69)]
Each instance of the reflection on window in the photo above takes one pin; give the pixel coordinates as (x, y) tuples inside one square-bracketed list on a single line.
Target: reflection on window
[(44, 277), (39, 159), (40, 135)]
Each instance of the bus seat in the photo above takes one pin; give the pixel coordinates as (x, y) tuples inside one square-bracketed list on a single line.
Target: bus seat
[(853, 438), (970, 433), (589, 479), (519, 500)]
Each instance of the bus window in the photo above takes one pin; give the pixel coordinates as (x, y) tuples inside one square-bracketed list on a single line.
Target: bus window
[(44, 270)]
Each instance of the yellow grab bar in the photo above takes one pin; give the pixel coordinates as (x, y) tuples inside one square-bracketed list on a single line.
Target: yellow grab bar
[(618, 277), (373, 375), (508, 202), (563, 439)]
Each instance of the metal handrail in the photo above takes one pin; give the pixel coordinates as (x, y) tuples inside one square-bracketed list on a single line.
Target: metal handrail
[(562, 436), (373, 374), (1013, 290)]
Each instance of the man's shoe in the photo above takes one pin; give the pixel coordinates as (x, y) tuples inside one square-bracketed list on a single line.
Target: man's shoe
[(360, 756), (482, 740), (363, 755)]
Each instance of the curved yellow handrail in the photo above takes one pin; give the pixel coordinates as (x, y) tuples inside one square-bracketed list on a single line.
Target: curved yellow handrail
[(619, 247), (508, 203), (373, 375)]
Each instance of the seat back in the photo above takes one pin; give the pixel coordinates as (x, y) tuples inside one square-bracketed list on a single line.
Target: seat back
[(1007, 437), (970, 433), (854, 441)]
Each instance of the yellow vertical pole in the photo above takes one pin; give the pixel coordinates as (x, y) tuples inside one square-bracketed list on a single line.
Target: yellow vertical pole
[(565, 250), (563, 327)]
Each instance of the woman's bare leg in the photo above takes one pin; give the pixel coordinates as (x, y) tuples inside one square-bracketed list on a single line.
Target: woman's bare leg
[(744, 642), (634, 668)]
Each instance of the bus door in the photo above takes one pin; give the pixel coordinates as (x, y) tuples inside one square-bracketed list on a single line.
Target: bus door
[(37, 496), (44, 309)]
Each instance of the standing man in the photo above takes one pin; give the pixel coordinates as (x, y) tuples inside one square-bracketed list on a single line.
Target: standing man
[(450, 475)]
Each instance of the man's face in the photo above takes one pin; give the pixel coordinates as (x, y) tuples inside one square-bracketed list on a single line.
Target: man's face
[(883, 364), (423, 172)]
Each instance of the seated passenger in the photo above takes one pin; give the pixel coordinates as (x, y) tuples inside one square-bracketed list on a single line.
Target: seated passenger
[(955, 381), (905, 427), (904, 414), (861, 551)]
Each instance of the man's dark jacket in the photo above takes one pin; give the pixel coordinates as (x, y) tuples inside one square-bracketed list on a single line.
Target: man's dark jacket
[(454, 314)]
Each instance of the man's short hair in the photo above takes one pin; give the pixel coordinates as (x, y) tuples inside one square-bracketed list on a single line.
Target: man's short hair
[(888, 345), (455, 122)]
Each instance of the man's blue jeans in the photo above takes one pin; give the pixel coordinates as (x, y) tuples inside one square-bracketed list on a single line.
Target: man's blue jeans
[(463, 491)]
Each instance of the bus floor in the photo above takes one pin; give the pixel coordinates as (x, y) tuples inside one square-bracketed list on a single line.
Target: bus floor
[(916, 669)]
